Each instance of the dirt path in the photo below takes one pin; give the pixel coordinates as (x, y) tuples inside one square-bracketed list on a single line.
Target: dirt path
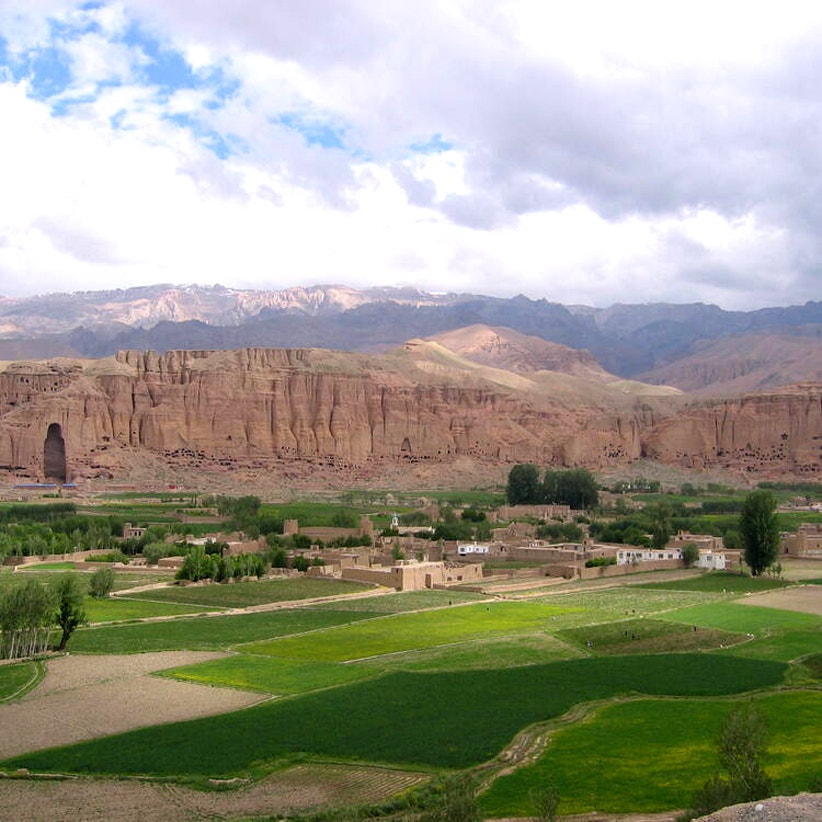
[(82, 697)]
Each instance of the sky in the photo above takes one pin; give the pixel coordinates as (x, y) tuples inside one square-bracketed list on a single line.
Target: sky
[(586, 153)]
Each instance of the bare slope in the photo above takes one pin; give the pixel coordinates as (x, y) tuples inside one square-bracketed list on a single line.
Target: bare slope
[(737, 365)]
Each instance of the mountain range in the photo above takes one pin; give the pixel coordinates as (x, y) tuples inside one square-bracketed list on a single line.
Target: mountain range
[(694, 347)]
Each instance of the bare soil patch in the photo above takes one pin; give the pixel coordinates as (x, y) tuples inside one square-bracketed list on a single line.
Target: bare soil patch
[(806, 598), (298, 788), (82, 697)]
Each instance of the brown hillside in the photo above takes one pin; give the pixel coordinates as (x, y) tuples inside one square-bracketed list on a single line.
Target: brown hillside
[(509, 350), (737, 365)]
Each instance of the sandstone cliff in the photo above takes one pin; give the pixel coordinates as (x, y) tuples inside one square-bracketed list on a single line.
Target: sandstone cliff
[(277, 407)]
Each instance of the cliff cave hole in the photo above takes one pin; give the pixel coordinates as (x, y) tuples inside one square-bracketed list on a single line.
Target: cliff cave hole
[(406, 446), (54, 454)]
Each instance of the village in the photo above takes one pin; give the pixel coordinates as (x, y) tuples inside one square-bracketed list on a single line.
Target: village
[(406, 558)]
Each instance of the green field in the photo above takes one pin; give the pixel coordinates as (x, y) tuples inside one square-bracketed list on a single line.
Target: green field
[(632, 678), (438, 720), (399, 603), (254, 592), (642, 636), (204, 632), (273, 676), (738, 618), (405, 632), (113, 609), (18, 678), (719, 581), (651, 755)]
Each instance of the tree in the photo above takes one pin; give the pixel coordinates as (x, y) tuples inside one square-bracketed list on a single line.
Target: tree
[(741, 748), (101, 583), (576, 487), (660, 515), (524, 487), (690, 555), (68, 595), (26, 614), (759, 530)]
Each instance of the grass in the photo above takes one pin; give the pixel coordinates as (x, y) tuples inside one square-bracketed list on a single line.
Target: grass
[(439, 720), (401, 602), (641, 636), (651, 755), (478, 654), (782, 645), (284, 676), (256, 592), (273, 676), (123, 580), (49, 566), (404, 632), (596, 606), (738, 618), (203, 633), (721, 582), (18, 678), (114, 609)]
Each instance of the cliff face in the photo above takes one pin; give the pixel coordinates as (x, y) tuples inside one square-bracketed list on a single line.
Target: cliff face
[(224, 409), (764, 433)]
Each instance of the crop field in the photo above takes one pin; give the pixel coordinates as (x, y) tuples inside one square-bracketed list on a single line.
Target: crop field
[(272, 676), (731, 616), (641, 636), (254, 592), (114, 609), (399, 603), (719, 582), (405, 632), (421, 719), (656, 753), (443, 680), (204, 633)]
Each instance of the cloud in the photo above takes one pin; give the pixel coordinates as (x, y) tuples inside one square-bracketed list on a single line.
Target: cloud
[(579, 152)]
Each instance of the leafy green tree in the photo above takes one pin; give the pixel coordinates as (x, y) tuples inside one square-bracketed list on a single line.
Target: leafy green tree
[(300, 562), (68, 597), (760, 531), (101, 583), (690, 555), (660, 516), (524, 487), (26, 614), (576, 487)]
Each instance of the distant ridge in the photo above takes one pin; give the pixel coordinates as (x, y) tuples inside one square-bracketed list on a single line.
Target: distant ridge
[(629, 341)]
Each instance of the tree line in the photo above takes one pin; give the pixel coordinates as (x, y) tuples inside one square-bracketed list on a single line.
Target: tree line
[(30, 612), (576, 487)]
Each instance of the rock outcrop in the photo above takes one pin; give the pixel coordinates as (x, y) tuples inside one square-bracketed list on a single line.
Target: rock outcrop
[(230, 408)]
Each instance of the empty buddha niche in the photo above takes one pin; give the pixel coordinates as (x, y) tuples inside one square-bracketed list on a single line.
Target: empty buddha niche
[(54, 454)]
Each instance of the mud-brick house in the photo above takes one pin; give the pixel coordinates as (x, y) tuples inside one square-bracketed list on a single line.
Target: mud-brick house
[(805, 543)]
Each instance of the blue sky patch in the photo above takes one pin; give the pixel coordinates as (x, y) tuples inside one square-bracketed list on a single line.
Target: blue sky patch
[(434, 145), (315, 132)]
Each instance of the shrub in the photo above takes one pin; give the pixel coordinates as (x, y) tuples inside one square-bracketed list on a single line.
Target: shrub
[(101, 583)]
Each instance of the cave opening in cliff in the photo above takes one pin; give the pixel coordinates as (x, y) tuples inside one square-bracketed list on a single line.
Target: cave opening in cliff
[(54, 454)]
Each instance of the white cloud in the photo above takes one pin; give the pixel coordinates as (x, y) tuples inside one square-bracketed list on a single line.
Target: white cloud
[(590, 152)]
